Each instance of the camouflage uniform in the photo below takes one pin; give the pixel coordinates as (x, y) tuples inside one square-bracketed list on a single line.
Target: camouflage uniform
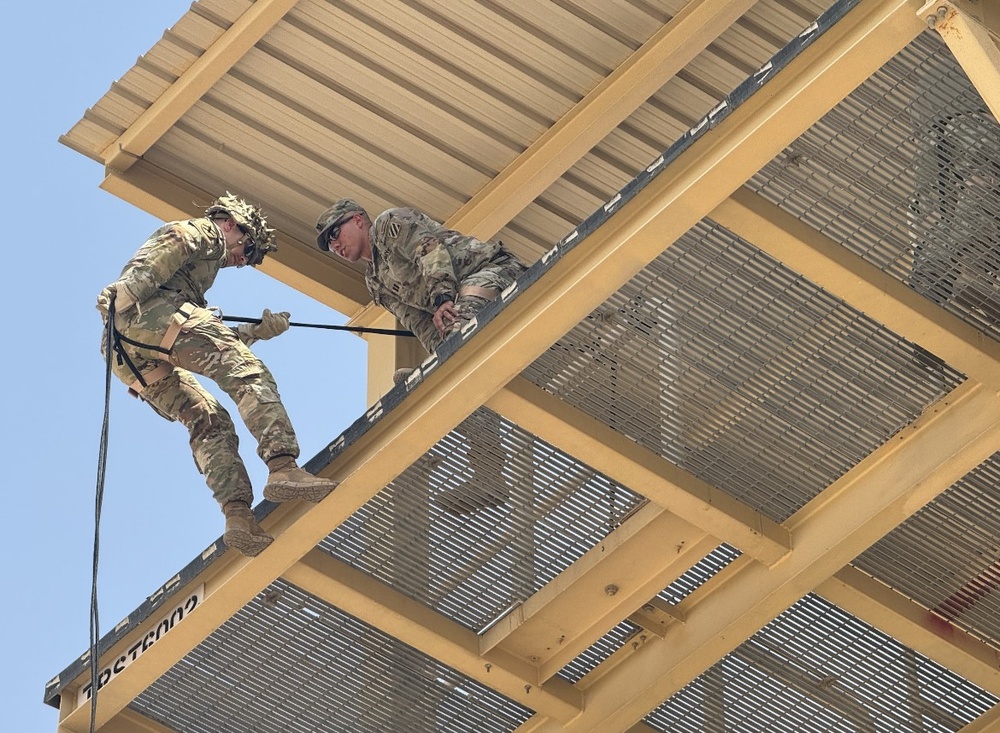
[(417, 265), (415, 260), (176, 266)]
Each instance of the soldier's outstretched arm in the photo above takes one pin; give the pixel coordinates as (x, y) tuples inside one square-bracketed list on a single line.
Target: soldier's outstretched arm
[(416, 320)]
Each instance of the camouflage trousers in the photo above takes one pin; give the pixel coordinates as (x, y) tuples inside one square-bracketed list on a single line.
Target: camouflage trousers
[(213, 350), (496, 276)]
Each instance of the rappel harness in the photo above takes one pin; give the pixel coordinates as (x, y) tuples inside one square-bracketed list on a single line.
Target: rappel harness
[(166, 344)]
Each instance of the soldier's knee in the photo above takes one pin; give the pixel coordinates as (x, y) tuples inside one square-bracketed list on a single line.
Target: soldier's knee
[(255, 394), (203, 418), (469, 305)]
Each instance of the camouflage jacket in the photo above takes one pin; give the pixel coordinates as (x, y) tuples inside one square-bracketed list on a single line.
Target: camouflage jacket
[(176, 265), (415, 259)]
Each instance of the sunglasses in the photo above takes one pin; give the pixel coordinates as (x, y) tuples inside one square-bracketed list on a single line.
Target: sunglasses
[(249, 245), (335, 231)]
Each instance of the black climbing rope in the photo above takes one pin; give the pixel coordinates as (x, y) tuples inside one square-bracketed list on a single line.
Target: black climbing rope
[(102, 464), (357, 329)]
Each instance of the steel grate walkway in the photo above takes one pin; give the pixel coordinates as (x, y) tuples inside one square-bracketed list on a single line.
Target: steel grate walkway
[(737, 369), (475, 567), (817, 669), (905, 174), (288, 661)]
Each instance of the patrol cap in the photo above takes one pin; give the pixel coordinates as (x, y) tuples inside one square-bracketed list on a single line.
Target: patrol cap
[(329, 218)]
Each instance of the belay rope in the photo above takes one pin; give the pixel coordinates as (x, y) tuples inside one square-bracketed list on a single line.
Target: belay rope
[(113, 345), (357, 329)]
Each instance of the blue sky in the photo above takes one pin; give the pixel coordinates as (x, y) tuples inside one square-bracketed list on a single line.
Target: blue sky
[(69, 239)]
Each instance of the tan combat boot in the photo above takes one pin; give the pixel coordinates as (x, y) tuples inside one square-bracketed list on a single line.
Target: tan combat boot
[(242, 531), (287, 481)]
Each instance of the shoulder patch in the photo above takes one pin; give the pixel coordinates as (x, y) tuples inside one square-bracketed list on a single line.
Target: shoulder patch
[(394, 227)]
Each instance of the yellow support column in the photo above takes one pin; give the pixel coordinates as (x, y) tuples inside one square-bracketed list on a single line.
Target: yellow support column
[(970, 30), (386, 354)]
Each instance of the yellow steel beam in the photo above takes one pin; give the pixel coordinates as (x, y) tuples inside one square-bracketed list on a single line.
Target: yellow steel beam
[(430, 632), (538, 723), (648, 552), (386, 354), (129, 721), (882, 491), (534, 724), (638, 468), (656, 616), (987, 14), (971, 44), (194, 83), (575, 285), (668, 51), (988, 722), (297, 264), (913, 625), (862, 285)]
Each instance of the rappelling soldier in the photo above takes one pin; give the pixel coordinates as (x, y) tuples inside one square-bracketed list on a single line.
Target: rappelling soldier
[(164, 333)]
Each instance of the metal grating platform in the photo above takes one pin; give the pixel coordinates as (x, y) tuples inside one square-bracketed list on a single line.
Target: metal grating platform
[(702, 572), (947, 556), (816, 669), (599, 651), (290, 662), (739, 370), (904, 173), (475, 567)]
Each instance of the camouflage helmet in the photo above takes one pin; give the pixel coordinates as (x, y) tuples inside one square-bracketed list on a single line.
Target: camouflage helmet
[(251, 219), (329, 218)]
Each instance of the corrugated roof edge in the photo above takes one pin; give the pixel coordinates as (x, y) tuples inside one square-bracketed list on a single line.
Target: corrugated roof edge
[(397, 394)]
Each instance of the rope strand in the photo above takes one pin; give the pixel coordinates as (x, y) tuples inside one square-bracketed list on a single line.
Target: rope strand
[(357, 329), (102, 464)]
